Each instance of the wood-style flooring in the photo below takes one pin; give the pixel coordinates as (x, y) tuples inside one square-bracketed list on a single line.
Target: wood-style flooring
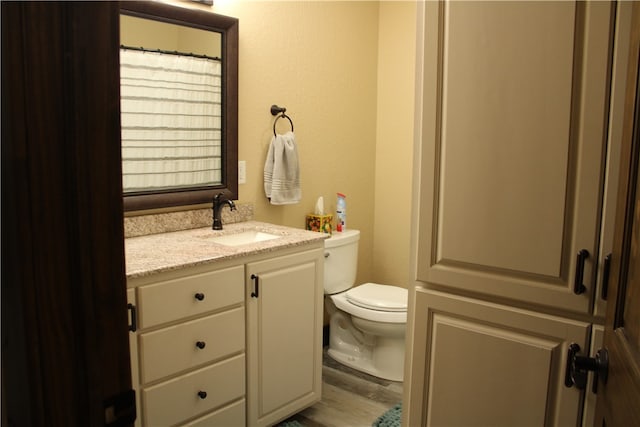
[(349, 398)]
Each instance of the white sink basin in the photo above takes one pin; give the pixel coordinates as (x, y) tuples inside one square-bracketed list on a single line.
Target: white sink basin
[(244, 238)]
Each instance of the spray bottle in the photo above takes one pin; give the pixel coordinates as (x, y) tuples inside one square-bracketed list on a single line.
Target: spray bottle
[(341, 212)]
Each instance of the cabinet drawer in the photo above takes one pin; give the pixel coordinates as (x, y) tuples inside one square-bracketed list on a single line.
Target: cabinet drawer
[(187, 296), (229, 416), (175, 349), (176, 400)]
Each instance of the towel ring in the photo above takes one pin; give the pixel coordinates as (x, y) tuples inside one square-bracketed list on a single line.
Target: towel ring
[(275, 110)]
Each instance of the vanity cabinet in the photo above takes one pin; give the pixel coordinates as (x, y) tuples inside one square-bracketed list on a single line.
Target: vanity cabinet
[(233, 343), (517, 163), (191, 347), (284, 335)]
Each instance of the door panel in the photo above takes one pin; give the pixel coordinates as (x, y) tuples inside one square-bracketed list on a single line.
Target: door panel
[(502, 366), (284, 335), (513, 122)]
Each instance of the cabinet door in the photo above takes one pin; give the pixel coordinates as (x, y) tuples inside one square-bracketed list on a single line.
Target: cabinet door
[(284, 330), (513, 118), (489, 364)]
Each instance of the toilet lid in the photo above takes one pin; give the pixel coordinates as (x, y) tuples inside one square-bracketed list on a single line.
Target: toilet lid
[(378, 297)]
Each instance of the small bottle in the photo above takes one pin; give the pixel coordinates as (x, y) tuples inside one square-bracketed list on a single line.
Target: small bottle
[(341, 212)]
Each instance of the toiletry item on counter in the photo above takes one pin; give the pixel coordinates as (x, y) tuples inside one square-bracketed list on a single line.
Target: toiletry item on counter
[(341, 212), (318, 221)]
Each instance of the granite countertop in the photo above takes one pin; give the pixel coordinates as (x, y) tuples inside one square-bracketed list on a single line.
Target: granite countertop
[(146, 255)]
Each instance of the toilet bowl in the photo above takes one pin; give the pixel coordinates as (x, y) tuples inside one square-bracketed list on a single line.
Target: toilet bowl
[(367, 322)]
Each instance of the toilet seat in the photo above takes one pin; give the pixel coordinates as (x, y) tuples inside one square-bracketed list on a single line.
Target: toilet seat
[(378, 297), (376, 315)]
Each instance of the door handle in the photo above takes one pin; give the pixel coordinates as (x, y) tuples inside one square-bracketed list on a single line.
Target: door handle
[(256, 286), (579, 366), (578, 286)]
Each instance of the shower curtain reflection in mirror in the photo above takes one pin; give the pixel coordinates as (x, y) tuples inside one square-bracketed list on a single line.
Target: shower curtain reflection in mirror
[(171, 120)]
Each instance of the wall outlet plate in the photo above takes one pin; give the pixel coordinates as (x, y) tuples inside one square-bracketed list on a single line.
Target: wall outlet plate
[(242, 172)]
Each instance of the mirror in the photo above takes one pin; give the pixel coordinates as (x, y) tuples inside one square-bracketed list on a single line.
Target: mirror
[(179, 119)]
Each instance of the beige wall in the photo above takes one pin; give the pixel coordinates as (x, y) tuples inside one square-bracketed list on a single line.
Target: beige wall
[(344, 71), (394, 147), (139, 32)]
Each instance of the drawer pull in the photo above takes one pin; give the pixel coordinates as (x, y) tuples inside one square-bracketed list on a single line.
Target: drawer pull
[(202, 395), (199, 296), (605, 276), (256, 286), (578, 286), (133, 326), (201, 344)]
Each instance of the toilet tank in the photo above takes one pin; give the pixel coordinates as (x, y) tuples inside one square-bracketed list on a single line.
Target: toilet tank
[(340, 261)]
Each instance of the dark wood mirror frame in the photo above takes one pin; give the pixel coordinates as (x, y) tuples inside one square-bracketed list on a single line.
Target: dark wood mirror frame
[(228, 28)]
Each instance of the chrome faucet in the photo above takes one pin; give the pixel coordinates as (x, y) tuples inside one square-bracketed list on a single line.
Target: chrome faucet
[(218, 203)]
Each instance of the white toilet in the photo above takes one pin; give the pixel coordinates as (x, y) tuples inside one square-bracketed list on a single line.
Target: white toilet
[(368, 322)]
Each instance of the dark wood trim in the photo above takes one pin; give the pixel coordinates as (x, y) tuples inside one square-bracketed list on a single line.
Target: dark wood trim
[(65, 346)]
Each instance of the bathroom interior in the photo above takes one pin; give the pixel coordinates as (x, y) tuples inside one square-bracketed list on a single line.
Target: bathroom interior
[(356, 82), (358, 112)]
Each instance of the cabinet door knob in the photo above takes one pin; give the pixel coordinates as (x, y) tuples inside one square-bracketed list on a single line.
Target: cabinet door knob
[(201, 344), (202, 394), (199, 296)]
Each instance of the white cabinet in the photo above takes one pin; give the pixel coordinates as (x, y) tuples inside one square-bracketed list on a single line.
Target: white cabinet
[(232, 343), (491, 364), (190, 362), (513, 141), (516, 166), (284, 335)]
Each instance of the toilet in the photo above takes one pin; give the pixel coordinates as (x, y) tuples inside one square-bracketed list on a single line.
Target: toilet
[(367, 322)]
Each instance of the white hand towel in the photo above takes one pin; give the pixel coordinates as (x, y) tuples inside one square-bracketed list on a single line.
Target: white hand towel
[(282, 171)]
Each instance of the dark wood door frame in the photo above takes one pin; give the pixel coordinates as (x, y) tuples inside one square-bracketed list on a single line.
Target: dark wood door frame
[(64, 322)]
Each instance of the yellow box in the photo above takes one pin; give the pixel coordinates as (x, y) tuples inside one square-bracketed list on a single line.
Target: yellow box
[(320, 223)]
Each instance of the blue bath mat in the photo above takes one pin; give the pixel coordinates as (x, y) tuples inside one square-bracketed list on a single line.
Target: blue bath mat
[(290, 423), (391, 418)]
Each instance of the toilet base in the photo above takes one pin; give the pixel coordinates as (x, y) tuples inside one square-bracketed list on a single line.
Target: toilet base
[(363, 365), (382, 357)]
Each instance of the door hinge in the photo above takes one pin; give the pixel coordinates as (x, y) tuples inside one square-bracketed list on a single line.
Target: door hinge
[(120, 410)]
